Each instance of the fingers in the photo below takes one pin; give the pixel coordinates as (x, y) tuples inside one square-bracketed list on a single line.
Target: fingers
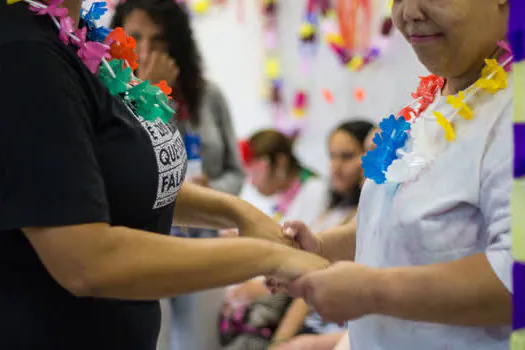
[(292, 228)]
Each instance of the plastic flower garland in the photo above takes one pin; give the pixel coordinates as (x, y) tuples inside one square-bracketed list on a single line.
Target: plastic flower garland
[(389, 162), (111, 54)]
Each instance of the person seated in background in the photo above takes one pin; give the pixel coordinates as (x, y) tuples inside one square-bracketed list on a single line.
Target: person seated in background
[(334, 204), (296, 192), (347, 144)]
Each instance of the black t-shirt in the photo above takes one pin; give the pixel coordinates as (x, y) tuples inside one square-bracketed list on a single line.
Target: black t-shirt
[(70, 153)]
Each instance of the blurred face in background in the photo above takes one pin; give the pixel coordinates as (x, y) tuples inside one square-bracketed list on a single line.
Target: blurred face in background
[(266, 177), (345, 161), (149, 35)]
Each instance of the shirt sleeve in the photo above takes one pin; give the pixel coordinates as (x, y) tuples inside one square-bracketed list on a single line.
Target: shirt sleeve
[(232, 178), (49, 173), (496, 185)]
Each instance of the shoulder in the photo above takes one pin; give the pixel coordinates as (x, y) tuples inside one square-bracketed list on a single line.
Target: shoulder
[(213, 94)]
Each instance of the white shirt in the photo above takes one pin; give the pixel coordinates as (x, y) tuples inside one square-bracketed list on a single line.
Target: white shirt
[(310, 202), (457, 207)]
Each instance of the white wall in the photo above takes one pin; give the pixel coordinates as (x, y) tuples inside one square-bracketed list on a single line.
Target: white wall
[(234, 58)]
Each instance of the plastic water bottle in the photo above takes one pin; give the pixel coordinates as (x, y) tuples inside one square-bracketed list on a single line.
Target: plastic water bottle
[(192, 141)]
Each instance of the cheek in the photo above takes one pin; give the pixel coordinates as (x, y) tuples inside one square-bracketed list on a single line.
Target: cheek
[(352, 170)]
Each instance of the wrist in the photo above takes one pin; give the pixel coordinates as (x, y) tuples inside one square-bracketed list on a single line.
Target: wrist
[(382, 291)]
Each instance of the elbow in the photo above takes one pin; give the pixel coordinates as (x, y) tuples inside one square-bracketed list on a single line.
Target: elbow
[(88, 281), (79, 286)]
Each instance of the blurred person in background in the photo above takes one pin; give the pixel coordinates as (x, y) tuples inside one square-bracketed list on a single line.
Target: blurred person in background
[(167, 51), (347, 143), (325, 206), (296, 192)]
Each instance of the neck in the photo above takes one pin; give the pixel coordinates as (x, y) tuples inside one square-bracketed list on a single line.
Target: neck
[(288, 181), (455, 84)]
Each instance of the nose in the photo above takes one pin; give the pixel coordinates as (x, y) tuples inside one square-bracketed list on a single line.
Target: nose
[(412, 10)]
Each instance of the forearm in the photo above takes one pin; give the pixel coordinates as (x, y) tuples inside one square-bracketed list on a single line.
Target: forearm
[(466, 292), (339, 243), (151, 266), (197, 206), (330, 340), (200, 207), (292, 321)]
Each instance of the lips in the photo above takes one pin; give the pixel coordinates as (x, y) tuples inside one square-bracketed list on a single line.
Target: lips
[(424, 38)]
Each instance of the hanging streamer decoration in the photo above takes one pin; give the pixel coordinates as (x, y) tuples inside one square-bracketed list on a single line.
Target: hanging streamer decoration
[(274, 82), (352, 43), (516, 37), (347, 29)]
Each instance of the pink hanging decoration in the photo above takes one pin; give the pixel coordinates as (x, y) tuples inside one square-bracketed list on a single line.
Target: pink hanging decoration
[(52, 9), (67, 27), (300, 103), (507, 53), (91, 53)]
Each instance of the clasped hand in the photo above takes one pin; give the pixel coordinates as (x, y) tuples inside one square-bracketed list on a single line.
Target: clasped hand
[(341, 292)]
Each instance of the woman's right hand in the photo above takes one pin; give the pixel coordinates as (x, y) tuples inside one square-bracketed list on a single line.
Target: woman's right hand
[(302, 236), (159, 66)]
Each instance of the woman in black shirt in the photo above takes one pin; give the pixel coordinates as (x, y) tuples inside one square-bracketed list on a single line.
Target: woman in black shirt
[(84, 183)]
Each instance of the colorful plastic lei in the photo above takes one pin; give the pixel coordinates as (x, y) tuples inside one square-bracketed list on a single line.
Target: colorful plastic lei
[(111, 54), (394, 164)]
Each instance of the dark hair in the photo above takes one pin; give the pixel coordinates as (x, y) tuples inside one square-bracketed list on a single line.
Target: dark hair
[(269, 143), (359, 130), (175, 22)]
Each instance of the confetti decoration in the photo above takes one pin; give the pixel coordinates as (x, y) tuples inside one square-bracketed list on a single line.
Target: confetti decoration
[(359, 94)]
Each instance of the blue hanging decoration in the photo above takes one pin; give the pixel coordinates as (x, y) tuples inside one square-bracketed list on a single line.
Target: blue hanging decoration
[(393, 136)]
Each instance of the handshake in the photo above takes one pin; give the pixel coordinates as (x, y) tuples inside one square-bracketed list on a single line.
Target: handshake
[(338, 292)]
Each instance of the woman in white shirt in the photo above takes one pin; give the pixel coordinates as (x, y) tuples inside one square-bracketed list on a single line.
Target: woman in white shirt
[(432, 250)]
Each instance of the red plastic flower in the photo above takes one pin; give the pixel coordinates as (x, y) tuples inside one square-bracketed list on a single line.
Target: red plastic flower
[(123, 47), (426, 92)]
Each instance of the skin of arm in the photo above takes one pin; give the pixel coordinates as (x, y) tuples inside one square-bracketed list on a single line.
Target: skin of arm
[(99, 260), (339, 243), (465, 292), (292, 321), (448, 293), (202, 207)]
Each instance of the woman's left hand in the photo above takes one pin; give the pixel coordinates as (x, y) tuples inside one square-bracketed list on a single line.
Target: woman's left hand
[(344, 291)]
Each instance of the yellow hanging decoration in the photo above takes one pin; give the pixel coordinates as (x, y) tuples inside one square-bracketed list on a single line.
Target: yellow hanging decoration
[(335, 39), (201, 6), (272, 68), (355, 63), (493, 77), (306, 30), (11, 2), (461, 106), (450, 134)]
